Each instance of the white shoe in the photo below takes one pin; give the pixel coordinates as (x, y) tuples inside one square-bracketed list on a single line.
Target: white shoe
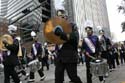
[(27, 74), (106, 74), (20, 75), (102, 81), (31, 80), (21, 82), (26, 77), (43, 77)]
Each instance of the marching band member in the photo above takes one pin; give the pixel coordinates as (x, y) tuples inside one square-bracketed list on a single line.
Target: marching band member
[(36, 52), (122, 54), (105, 46), (10, 57), (67, 53), (91, 48), (22, 61), (45, 57), (112, 58), (105, 42), (115, 53)]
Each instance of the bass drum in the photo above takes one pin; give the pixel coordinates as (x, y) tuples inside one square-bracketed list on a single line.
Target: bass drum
[(34, 65)]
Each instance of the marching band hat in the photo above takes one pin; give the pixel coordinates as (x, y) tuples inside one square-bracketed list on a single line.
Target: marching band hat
[(88, 28), (62, 13), (45, 44), (12, 29), (101, 31), (18, 38), (33, 34), (88, 25), (99, 27)]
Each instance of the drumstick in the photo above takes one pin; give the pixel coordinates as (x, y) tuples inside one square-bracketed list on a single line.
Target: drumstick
[(90, 56)]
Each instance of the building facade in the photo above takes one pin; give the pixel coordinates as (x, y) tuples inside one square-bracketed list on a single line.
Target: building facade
[(3, 7), (3, 20), (94, 10), (29, 15), (68, 4), (53, 9)]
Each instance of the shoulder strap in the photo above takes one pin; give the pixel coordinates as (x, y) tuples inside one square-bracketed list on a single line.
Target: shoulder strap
[(90, 44), (34, 49)]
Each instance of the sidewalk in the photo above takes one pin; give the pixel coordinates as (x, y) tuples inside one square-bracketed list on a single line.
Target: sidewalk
[(116, 76), (50, 76)]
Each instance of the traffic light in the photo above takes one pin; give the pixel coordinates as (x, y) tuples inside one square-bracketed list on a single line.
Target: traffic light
[(26, 11)]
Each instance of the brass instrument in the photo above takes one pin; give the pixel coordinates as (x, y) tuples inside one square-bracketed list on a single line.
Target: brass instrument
[(51, 24), (20, 51), (8, 38)]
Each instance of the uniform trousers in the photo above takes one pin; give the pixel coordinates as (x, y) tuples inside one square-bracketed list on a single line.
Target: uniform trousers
[(32, 76), (45, 63), (10, 71), (71, 69), (117, 58), (88, 72)]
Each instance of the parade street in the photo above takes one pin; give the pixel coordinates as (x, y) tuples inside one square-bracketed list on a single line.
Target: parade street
[(116, 76)]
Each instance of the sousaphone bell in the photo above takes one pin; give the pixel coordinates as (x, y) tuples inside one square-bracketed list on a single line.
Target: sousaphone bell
[(49, 27), (8, 38)]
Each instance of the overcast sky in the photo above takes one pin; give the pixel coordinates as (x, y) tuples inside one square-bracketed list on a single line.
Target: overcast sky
[(115, 18), (59, 4)]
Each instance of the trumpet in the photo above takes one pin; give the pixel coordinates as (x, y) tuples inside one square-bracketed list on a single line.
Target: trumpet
[(5, 38)]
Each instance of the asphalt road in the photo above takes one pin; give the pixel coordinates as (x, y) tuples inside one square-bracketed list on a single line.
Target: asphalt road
[(116, 76)]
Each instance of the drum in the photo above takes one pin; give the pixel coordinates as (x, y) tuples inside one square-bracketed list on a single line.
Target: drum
[(34, 65), (99, 67)]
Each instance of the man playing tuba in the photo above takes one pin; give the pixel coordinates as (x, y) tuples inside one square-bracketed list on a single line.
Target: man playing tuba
[(67, 53), (10, 58)]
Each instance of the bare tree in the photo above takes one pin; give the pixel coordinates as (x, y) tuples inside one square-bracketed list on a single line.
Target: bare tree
[(123, 26), (121, 8)]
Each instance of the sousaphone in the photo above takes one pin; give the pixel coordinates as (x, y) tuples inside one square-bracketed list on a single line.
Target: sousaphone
[(51, 24)]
